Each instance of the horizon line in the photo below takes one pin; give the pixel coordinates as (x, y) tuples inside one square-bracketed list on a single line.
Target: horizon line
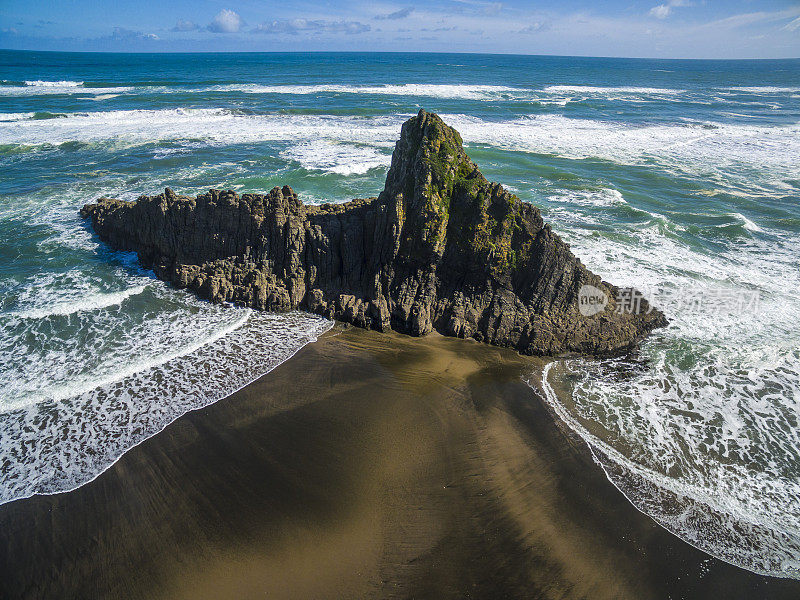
[(206, 52)]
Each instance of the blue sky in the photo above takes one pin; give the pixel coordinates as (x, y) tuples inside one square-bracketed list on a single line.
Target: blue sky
[(654, 28)]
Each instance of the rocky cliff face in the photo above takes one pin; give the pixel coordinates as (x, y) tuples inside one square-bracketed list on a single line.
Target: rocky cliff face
[(441, 248)]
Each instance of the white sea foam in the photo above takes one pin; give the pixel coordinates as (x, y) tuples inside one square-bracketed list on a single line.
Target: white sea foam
[(213, 125), (11, 117), (480, 92), (746, 223), (463, 91), (589, 89), (101, 97), (61, 442), (337, 157), (43, 88), (726, 510), (86, 382), (725, 148), (599, 197), (84, 303), (444, 91), (701, 433), (765, 89), (39, 83), (731, 149)]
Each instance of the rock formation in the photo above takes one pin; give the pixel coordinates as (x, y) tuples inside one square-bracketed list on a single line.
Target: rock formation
[(441, 248)]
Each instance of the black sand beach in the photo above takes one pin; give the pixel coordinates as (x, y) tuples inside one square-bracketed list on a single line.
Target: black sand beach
[(369, 465)]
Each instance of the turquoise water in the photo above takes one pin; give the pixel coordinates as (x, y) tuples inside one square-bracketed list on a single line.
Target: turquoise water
[(678, 177)]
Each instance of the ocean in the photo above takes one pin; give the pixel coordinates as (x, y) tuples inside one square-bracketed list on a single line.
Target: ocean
[(681, 178)]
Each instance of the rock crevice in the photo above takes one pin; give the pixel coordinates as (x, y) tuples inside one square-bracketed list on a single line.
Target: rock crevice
[(441, 248)]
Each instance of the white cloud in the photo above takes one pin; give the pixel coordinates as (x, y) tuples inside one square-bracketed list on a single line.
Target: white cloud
[(662, 11), (793, 26), (756, 18), (295, 26), (226, 21)]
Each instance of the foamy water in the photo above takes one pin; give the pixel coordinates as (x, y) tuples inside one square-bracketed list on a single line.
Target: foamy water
[(741, 154), (65, 436), (700, 429)]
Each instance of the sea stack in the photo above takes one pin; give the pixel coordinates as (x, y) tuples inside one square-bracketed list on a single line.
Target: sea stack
[(441, 248)]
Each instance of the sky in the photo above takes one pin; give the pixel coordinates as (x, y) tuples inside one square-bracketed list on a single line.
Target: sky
[(652, 28)]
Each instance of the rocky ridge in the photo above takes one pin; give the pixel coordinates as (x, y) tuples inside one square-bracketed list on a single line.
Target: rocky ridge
[(441, 248)]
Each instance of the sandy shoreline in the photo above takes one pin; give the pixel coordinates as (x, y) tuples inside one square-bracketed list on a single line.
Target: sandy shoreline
[(368, 465)]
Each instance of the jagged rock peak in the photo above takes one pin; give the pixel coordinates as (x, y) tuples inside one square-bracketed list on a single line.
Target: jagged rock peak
[(441, 248)]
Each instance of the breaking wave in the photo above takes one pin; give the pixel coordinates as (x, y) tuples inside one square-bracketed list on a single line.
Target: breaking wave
[(699, 431), (69, 436), (318, 138)]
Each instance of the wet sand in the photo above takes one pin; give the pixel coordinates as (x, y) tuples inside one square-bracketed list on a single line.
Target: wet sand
[(369, 465)]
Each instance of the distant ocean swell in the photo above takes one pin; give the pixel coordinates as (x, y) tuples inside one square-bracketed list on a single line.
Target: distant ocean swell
[(462, 91)]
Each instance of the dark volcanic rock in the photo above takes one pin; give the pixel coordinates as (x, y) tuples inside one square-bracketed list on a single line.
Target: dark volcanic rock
[(440, 248)]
